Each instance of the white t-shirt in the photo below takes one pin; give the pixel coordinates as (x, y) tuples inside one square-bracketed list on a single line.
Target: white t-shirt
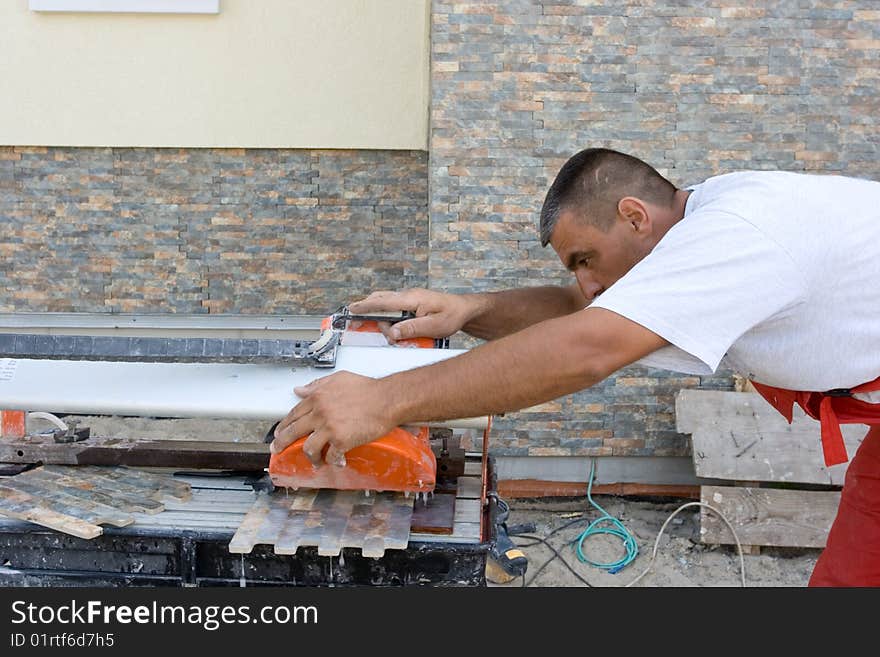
[(775, 275)]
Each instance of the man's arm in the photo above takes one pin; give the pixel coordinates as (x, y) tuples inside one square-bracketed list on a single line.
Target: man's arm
[(537, 364), (498, 314), (488, 316)]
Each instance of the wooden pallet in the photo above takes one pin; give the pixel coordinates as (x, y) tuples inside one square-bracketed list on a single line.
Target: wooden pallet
[(768, 517), (737, 436), (77, 500)]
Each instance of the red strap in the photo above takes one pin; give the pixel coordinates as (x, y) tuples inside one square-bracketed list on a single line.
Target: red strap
[(833, 446), (779, 398), (820, 406)]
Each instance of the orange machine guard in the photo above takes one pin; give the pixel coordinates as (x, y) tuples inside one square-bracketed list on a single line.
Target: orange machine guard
[(397, 461)]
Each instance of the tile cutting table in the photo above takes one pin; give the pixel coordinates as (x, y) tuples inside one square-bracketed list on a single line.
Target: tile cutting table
[(226, 533)]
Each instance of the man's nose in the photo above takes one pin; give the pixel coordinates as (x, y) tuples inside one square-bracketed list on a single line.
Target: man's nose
[(590, 287)]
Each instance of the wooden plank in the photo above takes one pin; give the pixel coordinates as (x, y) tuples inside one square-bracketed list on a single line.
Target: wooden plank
[(768, 516), (739, 436)]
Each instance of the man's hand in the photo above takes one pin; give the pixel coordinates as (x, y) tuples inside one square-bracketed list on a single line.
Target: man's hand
[(487, 315), (438, 315), (337, 413)]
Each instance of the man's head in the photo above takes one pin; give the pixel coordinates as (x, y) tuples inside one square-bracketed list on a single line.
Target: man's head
[(604, 212)]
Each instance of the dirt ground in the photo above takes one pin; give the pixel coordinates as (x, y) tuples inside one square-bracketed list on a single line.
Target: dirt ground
[(681, 559)]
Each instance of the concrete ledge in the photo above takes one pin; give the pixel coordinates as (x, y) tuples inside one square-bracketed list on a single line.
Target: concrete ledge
[(665, 470)]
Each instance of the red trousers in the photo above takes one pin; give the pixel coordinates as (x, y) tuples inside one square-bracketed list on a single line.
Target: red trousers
[(852, 553)]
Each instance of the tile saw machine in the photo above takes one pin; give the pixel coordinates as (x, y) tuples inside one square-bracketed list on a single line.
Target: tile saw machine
[(242, 379)]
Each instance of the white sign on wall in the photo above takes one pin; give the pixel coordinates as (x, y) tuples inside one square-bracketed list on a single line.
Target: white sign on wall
[(129, 6)]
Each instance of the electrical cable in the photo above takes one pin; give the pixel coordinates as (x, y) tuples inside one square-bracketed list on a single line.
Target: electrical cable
[(556, 555), (605, 517), (742, 563), (616, 529), (49, 417)]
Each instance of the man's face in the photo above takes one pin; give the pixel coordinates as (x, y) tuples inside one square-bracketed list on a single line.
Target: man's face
[(596, 258)]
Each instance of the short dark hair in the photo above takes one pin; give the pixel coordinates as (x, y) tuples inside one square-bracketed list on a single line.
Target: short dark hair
[(596, 179)]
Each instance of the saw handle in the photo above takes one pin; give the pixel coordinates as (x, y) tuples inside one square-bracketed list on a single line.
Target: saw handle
[(372, 326), (339, 320)]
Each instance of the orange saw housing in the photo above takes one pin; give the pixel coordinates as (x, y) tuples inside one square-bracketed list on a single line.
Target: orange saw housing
[(398, 461)]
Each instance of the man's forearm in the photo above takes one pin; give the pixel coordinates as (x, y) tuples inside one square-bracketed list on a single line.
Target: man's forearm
[(538, 364), (497, 314)]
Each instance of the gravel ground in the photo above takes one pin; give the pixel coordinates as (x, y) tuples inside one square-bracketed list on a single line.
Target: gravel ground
[(681, 559)]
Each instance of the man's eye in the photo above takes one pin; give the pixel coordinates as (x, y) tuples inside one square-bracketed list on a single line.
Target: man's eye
[(583, 262)]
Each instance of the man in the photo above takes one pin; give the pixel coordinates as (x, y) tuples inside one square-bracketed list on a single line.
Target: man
[(774, 274)]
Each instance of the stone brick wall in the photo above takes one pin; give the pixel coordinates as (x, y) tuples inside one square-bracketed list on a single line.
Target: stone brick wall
[(695, 87), (199, 231)]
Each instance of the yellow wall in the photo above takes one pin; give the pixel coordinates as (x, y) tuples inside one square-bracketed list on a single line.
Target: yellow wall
[(261, 73)]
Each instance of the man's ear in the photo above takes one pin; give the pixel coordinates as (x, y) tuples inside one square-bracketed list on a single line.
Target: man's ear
[(634, 212)]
